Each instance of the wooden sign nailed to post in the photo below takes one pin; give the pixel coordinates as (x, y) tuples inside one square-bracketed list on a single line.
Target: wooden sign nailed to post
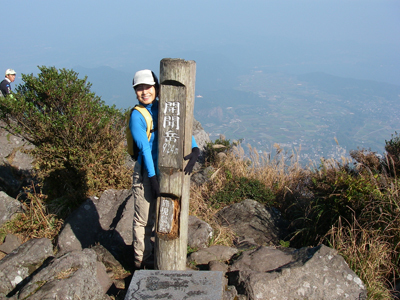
[(175, 124), (170, 161)]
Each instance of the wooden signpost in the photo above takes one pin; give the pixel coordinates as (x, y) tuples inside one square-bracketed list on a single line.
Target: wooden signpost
[(175, 121)]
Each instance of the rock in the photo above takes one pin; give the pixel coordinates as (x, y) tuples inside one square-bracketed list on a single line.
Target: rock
[(262, 259), (102, 276), (11, 243), (15, 165), (75, 275), (8, 181), (202, 176), (201, 137), (106, 220), (11, 150), (315, 273), (22, 262), (251, 219), (218, 252), (104, 256), (216, 265), (245, 243), (9, 207), (199, 233), (230, 293), (80, 229), (221, 156)]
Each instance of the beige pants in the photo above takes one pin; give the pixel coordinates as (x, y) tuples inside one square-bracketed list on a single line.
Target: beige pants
[(144, 215)]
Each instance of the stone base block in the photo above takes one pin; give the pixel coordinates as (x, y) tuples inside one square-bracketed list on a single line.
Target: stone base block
[(177, 285)]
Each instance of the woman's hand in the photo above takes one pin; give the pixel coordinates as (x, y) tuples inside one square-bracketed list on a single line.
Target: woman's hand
[(155, 187), (192, 160)]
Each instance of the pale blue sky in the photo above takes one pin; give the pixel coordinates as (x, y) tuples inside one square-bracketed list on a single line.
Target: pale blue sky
[(352, 38)]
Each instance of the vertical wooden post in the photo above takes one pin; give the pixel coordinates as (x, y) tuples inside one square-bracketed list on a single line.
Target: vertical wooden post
[(175, 121)]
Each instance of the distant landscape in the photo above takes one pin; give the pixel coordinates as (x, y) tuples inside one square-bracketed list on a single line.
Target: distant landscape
[(326, 115), (319, 114)]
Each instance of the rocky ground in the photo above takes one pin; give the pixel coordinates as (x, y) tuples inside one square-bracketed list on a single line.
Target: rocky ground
[(95, 247)]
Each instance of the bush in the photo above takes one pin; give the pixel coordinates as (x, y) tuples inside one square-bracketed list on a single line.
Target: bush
[(333, 193), (392, 148), (367, 159), (239, 189), (79, 140)]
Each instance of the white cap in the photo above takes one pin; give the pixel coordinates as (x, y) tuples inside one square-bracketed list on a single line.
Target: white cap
[(10, 72), (143, 77)]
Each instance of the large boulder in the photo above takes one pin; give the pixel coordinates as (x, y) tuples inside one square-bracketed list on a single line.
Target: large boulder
[(199, 233), (22, 262), (106, 220), (250, 219), (308, 273), (75, 275)]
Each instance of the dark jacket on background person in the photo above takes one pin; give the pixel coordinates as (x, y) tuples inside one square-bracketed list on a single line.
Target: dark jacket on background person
[(5, 87)]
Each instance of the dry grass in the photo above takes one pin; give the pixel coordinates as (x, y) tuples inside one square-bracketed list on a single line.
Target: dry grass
[(276, 174), (200, 208), (35, 221), (66, 273), (368, 253), (370, 244)]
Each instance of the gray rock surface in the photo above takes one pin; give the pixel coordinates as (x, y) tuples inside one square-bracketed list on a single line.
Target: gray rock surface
[(201, 137), (314, 274), (11, 242), (106, 220), (218, 252), (230, 293), (9, 207), (262, 259), (80, 228), (251, 219), (12, 150), (199, 233), (201, 176), (75, 275), (22, 262)]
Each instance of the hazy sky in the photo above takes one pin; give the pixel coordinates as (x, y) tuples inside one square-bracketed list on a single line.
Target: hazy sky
[(137, 34)]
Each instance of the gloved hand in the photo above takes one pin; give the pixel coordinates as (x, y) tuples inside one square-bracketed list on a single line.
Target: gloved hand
[(155, 187), (192, 160)]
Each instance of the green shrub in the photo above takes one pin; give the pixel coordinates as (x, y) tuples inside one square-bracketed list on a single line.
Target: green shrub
[(239, 189), (333, 194), (78, 139)]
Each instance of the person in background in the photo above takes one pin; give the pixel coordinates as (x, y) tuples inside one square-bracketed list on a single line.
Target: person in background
[(5, 85), (145, 187)]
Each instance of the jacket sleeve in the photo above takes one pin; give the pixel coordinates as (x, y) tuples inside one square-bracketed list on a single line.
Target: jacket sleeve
[(137, 125), (194, 144)]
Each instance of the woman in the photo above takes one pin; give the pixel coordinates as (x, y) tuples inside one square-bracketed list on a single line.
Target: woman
[(146, 188)]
